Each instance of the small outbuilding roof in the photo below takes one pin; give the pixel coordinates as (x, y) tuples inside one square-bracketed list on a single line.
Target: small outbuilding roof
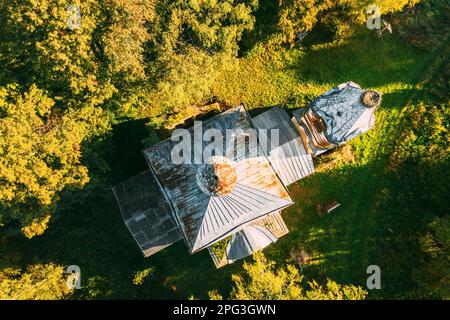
[(249, 240)]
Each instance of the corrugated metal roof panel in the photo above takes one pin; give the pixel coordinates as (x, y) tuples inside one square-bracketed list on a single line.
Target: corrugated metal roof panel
[(289, 159), (228, 212)]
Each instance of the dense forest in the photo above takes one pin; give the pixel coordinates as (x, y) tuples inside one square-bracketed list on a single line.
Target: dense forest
[(85, 85)]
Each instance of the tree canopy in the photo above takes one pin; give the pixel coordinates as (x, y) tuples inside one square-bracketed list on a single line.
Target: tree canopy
[(340, 16), (79, 93), (37, 282), (430, 273), (40, 148), (262, 280)]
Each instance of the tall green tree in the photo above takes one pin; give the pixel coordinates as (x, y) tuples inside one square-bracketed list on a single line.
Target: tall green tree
[(263, 281), (209, 25), (341, 16), (190, 43), (124, 39), (40, 154), (48, 43), (37, 282), (431, 273)]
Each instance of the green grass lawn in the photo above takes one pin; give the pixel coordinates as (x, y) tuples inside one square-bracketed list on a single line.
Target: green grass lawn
[(91, 233)]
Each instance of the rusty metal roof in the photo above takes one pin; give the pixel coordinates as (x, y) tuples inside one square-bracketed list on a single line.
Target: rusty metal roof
[(203, 218)]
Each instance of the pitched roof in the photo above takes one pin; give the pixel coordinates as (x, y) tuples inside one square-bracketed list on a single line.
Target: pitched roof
[(273, 222), (146, 213), (249, 240), (288, 157), (344, 113), (205, 218)]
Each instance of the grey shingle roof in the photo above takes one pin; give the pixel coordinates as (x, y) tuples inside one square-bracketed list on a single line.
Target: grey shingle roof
[(146, 213)]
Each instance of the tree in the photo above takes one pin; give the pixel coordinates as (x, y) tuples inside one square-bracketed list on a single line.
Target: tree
[(209, 25), (124, 40), (140, 276), (341, 16), (299, 15), (37, 282), (42, 48), (427, 27), (188, 80), (120, 51), (192, 42), (40, 154), (431, 273), (262, 281), (177, 51)]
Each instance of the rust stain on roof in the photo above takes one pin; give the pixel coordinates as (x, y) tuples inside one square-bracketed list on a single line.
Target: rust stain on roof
[(218, 177)]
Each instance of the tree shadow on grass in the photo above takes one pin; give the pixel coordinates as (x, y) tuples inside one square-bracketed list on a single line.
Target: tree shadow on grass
[(127, 160), (265, 25)]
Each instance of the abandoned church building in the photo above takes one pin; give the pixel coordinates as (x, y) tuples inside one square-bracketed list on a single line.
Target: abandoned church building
[(231, 205)]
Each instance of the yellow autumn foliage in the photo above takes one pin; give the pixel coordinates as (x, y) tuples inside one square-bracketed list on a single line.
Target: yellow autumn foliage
[(262, 280), (37, 226), (39, 155), (37, 282), (339, 15)]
